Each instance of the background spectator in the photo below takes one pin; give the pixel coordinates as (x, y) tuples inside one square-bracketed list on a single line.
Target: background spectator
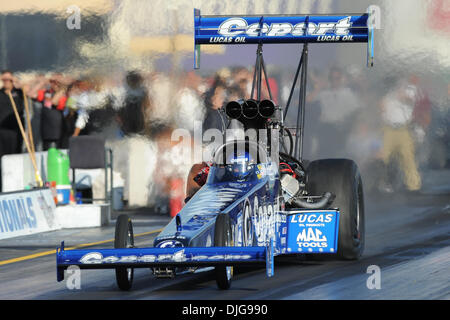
[(188, 102), (70, 114), (10, 136), (214, 100), (53, 99), (137, 101), (338, 105), (91, 101), (397, 109)]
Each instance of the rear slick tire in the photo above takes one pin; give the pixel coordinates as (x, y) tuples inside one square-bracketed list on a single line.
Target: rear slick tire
[(342, 178)]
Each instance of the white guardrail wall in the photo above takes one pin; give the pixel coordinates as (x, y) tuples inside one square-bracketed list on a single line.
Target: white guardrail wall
[(27, 212)]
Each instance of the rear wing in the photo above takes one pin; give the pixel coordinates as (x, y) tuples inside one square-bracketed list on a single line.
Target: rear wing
[(257, 29)]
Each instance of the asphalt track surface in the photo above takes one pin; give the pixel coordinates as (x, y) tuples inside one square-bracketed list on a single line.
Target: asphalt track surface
[(407, 237)]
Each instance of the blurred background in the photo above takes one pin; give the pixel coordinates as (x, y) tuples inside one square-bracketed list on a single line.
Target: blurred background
[(123, 70)]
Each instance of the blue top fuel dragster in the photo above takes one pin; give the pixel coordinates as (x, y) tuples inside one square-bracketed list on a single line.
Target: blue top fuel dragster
[(259, 200)]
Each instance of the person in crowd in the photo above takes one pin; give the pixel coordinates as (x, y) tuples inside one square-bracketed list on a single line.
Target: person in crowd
[(31, 88), (243, 79), (421, 119), (8, 122), (92, 104), (189, 105), (397, 110), (70, 113), (53, 99), (172, 162), (214, 100), (136, 103), (10, 136), (338, 109)]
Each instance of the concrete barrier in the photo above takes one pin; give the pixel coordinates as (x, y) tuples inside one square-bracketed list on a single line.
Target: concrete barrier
[(27, 212), (82, 215)]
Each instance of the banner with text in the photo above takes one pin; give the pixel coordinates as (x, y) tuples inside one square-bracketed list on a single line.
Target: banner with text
[(27, 212)]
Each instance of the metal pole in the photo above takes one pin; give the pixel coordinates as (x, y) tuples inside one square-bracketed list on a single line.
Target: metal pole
[(254, 76), (304, 77), (298, 149), (106, 176), (258, 88), (297, 126), (257, 75), (293, 86), (265, 76), (74, 184), (30, 129), (111, 207)]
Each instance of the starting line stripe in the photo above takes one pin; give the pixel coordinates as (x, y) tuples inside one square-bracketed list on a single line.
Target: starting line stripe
[(46, 253)]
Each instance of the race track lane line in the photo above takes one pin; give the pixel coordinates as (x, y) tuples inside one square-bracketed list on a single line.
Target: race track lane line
[(46, 253)]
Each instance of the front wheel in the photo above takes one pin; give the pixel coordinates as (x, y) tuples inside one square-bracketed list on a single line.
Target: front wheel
[(342, 178), (124, 238), (223, 237)]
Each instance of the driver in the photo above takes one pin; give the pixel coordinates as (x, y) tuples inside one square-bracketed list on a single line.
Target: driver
[(238, 167)]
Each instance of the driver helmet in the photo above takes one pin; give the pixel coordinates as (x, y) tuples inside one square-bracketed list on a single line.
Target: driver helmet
[(240, 164)]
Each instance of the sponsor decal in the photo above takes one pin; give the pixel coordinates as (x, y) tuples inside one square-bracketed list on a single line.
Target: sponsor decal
[(27, 212), (222, 257), (312, 237), (23, 213), (172, 237), (260, 172), (312, 218), (264, 221), (237, 29), (169, 244), (312, 232), (179, 256), (17, 214)]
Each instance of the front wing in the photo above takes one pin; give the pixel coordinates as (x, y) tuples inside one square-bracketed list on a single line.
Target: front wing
[(163, 257)]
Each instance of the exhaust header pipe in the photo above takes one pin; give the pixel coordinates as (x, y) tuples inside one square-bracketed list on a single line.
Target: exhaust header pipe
[(250, 109), (266, 108), (233, 109)]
